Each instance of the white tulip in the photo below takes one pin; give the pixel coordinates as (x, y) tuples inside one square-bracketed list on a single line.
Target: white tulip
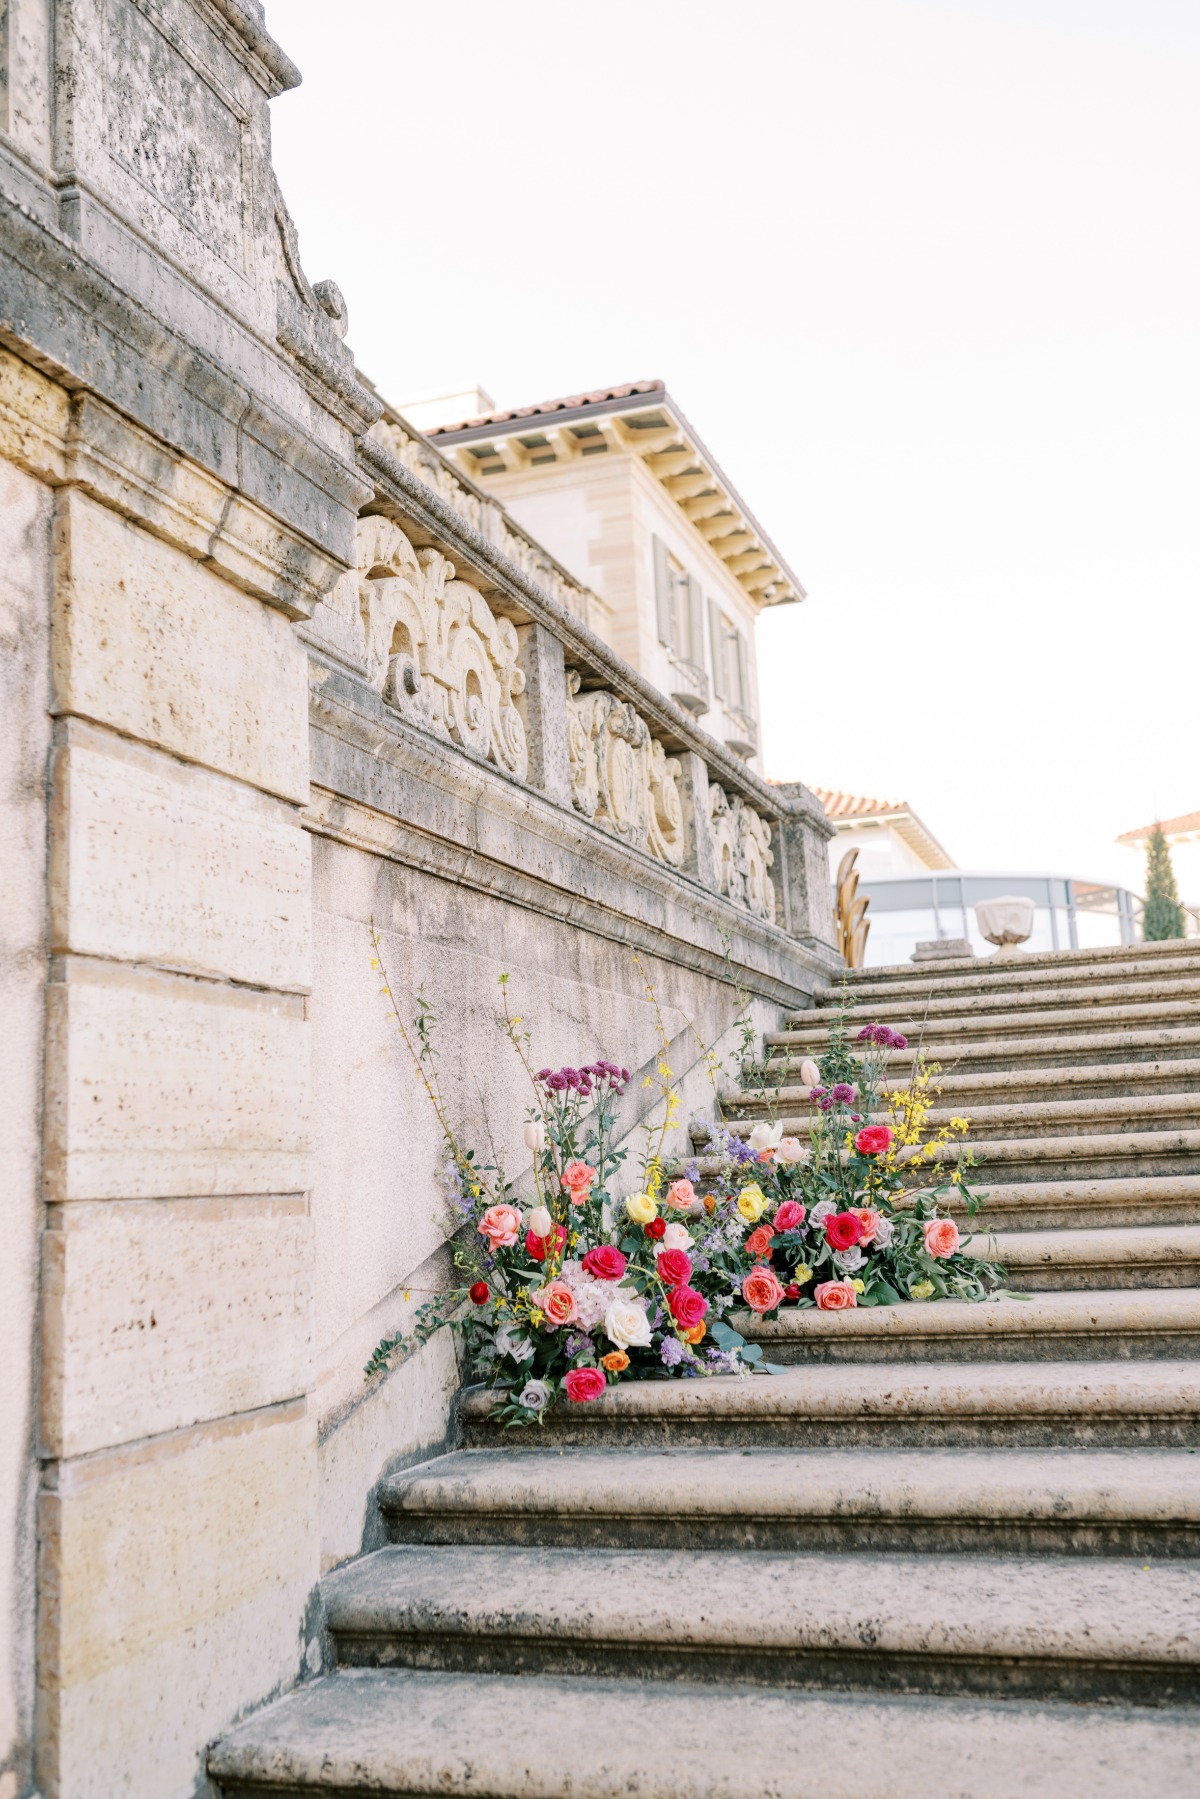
[(535, 1137), (766, 1136), (810, 1074), (540, 1222), (626, 1323)]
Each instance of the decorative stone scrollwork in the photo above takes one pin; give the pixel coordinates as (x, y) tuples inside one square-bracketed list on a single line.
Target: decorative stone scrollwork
[(620, 777), (435, 650), (742, 849)]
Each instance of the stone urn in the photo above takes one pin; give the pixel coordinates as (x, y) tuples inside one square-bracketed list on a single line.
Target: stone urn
[(1007, 922)]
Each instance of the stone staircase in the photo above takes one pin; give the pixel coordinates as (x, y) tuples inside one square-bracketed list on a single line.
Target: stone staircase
[(952, 1551)]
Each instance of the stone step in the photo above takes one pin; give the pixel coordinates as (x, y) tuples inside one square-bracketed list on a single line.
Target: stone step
[(1021, 1086), (1040, 1405), (932, 1011), (1065, 1628), (993, 1122), (1125, 1257), (1038, 1502), (1127, 1154), (412, 1735), (1036, 1205), (918, 979), (1087, 1049), (1099, 1326), (983, 1016)]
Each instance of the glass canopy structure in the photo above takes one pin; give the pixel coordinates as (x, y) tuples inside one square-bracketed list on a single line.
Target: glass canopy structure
[(909, 909)]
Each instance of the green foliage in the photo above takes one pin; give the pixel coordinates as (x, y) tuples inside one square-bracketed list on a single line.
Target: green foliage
[(1163, 916)]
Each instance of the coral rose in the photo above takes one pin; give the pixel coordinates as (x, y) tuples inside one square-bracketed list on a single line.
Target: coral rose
[(758, 1244), (843, 1230), (870, 1220), (674, 1267), (874, 1140), (835, 1296), (480, 1293), (761, 1289), (557, 1301), (616, 1361), (501, 1225), (789, 1217), (583, 1384), (941, 1238), (681, 1194), (686, 1306), (577, 1178), (604, 1263)]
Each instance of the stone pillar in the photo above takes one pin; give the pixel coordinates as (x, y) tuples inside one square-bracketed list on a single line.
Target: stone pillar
[(801, 867), (543, 710), (699, 859)]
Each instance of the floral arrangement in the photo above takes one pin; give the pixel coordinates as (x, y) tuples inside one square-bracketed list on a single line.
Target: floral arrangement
[(599, 1275)]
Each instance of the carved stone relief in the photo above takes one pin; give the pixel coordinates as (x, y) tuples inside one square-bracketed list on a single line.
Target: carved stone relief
[(620, 777), (743, 854), (435, 650)]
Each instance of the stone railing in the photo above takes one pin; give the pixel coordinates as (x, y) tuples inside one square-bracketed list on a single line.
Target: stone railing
[(460, 641)]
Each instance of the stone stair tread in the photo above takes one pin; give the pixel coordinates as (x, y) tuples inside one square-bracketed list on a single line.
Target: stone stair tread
[(1119, 1189), (968, 1086), (1166, 990), (1056, 1485), (1055, 1607), (1119, 1310), (1073, 1049), (486, 1736), (1117, 956), (981, 1018), (1022, 1113), (1087, 1247), (1169, 1389), (865, 983)]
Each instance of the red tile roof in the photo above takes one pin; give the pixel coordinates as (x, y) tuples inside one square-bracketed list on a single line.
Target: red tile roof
[(568, 403), (852, 805), (1183, 826)]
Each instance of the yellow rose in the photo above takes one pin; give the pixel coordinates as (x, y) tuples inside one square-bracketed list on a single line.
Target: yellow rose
[(921, 1290), (641, 1208), (752, 1202), (859, 1286), (801, 1273)]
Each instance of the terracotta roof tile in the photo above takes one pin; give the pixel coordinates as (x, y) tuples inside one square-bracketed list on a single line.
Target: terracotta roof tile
[(567, 403), (1183, 826), (853, 805)]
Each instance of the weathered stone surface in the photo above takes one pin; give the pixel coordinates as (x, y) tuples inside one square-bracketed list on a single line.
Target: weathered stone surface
[(154, 861), (173, 1581), (24, 746), (163, 650), (160, 1313), (158, 1086)]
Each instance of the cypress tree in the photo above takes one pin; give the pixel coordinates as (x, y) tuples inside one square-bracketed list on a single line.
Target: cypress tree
[(1163, 916)]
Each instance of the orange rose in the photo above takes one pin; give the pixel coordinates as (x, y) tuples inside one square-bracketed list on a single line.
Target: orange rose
[(758, 1244), (696, 1334), (710, 1202), (616, 1361)]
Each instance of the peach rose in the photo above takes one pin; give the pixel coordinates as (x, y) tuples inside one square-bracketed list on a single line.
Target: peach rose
[(577, 1178), (791, 1151), (941, 1238), (501, 1225), (870, 1220), (758, 1244), (835, 1296), (681, 1193), (557, 1301), (761, 1289)]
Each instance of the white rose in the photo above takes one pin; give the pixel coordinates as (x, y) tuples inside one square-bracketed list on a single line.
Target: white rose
[(849, 1260), (677, 1236), (822, 1209), (533, 1395), (535, 1137), (766, 1136), (509, 1341), (626, 1323), (883, 1233), (791, 1151), (810, 1074), (540, 1222)]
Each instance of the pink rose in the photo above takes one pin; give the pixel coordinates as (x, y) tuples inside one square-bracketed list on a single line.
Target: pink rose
[(789, 1217), (681, 1193), (604, 1263), (577, 1178), (674, 1267), (583, 1384), (875, 1140), (761, 1290), (834, 1296), (686, 1306), (941, 1238), (870, 1220), (557, 1301), (501, 1225)]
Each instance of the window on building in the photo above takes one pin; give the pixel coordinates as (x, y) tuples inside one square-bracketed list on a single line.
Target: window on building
[(680, 606), (730, 661)]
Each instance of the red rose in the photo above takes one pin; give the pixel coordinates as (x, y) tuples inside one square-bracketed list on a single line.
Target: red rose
[(843, 1230), (604, 1263), (791, 1291), (480, 1293), (687, 1307), (789, 1217), (674, 1267), (656, 1228), (875, 1140), (535, 1246), (583, 1384)]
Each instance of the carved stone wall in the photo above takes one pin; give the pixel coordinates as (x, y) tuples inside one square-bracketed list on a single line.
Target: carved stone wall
[(743, 854), (620, 777)]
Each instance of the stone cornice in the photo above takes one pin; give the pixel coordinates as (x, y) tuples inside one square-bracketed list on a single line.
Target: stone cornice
[(272, 67)]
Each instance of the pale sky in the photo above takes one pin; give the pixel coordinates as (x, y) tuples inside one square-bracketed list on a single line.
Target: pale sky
[(926, 279)]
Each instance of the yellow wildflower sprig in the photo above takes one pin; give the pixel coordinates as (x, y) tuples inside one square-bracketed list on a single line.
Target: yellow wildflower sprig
[(664, 1079)]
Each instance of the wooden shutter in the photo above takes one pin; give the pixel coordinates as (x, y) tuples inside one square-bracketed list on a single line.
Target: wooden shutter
[(664, 594), (695, 623), (716, 633), (743, 672)]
